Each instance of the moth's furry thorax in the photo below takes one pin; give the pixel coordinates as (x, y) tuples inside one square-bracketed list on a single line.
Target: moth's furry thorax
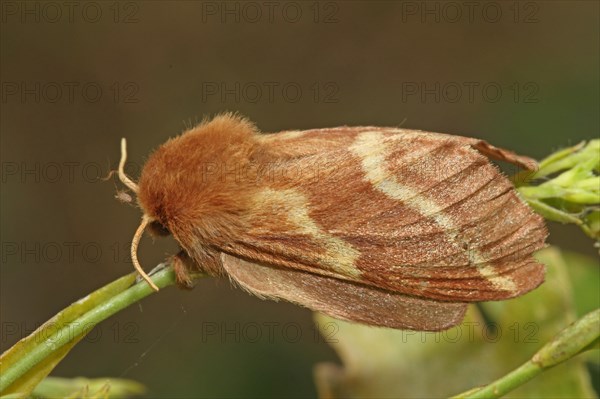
[(186, 185)]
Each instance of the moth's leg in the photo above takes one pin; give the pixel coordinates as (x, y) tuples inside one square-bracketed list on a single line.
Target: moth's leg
[(184, 267), (156, 269)]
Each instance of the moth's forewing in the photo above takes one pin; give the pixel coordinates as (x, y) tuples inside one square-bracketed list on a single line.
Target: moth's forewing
[(411, 212)]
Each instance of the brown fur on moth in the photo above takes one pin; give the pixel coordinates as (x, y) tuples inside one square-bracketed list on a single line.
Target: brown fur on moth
[(383, 226)]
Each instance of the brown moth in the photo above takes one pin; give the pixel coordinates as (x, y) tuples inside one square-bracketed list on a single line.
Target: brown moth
[(383, 226)]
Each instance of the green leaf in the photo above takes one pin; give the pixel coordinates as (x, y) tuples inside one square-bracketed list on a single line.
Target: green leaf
[(574, 195), (46, 335), (84, 388), (570, 157)]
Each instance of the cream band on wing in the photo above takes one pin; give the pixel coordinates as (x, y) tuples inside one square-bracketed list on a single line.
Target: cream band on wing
[(373, 150), (289, 135), (339, 255)]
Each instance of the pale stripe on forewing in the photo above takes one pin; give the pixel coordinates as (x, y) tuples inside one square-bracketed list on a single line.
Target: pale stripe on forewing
[(372, 149), (339, 257), (287, 135)]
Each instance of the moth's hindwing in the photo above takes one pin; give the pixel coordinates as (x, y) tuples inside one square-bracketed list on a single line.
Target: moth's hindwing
[(344, 299)]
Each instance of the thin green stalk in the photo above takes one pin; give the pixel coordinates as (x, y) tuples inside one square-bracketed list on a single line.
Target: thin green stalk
[(81, 325), (504, 385), (576, 338)]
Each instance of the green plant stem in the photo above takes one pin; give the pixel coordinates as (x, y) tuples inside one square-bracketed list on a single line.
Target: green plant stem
[(81, 325), (580, 336), (507, 383)]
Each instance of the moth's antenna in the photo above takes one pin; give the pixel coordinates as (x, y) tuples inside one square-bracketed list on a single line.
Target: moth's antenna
[(145, 219), (122, 176), (134, 245)]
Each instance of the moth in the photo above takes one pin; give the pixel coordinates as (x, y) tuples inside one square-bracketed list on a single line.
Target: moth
[(382, 226)]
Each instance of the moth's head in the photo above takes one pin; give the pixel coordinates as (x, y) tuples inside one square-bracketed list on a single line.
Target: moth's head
[(162, 181)]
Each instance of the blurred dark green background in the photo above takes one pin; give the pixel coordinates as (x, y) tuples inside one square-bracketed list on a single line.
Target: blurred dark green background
[(78, 76)]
